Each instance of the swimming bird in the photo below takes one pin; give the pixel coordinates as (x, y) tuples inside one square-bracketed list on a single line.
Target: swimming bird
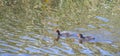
[(85, 39), (80, 37), (65, 34)]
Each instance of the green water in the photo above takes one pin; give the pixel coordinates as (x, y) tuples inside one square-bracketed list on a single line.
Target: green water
[(27, 27)]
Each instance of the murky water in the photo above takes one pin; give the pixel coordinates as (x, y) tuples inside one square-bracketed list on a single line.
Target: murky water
[(39, 45), (45, 45), (17, 41)]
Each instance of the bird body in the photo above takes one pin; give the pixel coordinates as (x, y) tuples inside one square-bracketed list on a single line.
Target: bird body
[(85, 38), (65, 34)]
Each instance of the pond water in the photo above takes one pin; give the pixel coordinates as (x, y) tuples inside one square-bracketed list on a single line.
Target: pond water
[(105, 43), (19, 40)]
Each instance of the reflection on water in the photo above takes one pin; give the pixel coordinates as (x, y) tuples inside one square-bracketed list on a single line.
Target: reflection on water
[(105, 25), (102, 19), (44, 45), (31, 43), (87, 52), (91, 26), (32, 33), (80, 29), (103, 52)]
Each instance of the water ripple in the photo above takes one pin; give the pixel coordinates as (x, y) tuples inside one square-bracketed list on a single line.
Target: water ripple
[(102, 18), (103, 52)]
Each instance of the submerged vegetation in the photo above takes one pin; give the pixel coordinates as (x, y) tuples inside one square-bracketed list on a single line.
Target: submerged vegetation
[(36, 15), (31, 17)]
